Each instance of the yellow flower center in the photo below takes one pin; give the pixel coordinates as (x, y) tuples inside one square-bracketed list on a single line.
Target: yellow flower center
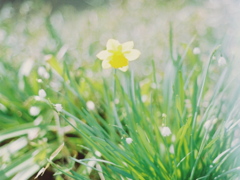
[(118, 60)]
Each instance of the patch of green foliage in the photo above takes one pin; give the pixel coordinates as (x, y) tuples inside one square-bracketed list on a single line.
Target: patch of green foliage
[(120, 134)]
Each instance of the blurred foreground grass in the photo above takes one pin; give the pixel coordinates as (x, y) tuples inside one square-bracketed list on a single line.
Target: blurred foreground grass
[(178, 83)]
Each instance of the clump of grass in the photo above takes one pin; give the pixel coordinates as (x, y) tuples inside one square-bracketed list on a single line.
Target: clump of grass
[(181, 127), (176, 120)]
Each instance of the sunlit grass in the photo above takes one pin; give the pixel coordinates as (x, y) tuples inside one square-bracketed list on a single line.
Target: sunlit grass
[(173, 115), (199, 146)]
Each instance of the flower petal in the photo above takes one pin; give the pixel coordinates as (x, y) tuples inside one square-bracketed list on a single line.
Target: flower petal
[(127, 46), (124, 69), (103, 55), (132, 55), (105, 64), (112, 44)]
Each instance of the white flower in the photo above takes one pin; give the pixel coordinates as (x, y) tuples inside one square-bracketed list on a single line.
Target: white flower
[(37, 98), (26, 67), (58, 107), (222, 61), (90, 105), (171, 149), (43, 72), (196, 50), (42, 93), (129, 140), (34, 111), (144, 98), (97, 153), (118, 55), (165, 131), (39, 80)]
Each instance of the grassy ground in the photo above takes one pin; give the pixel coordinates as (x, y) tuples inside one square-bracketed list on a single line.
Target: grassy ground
[(173, 115)]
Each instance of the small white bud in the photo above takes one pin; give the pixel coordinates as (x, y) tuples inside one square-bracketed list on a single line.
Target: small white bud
[(97, 153), (34, 111), (165, 131), (42, 93), (43, 72), (171, 149), (129, 140), (26, 67), (90, 105), (222, 61), (37, 98), (39, 80), (196, 50), (58, 107)]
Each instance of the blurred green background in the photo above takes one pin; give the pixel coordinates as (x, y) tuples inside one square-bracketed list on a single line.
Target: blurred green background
[(82, 24)]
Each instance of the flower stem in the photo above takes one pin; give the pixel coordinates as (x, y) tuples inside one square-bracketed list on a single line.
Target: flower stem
[(114, 97)]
